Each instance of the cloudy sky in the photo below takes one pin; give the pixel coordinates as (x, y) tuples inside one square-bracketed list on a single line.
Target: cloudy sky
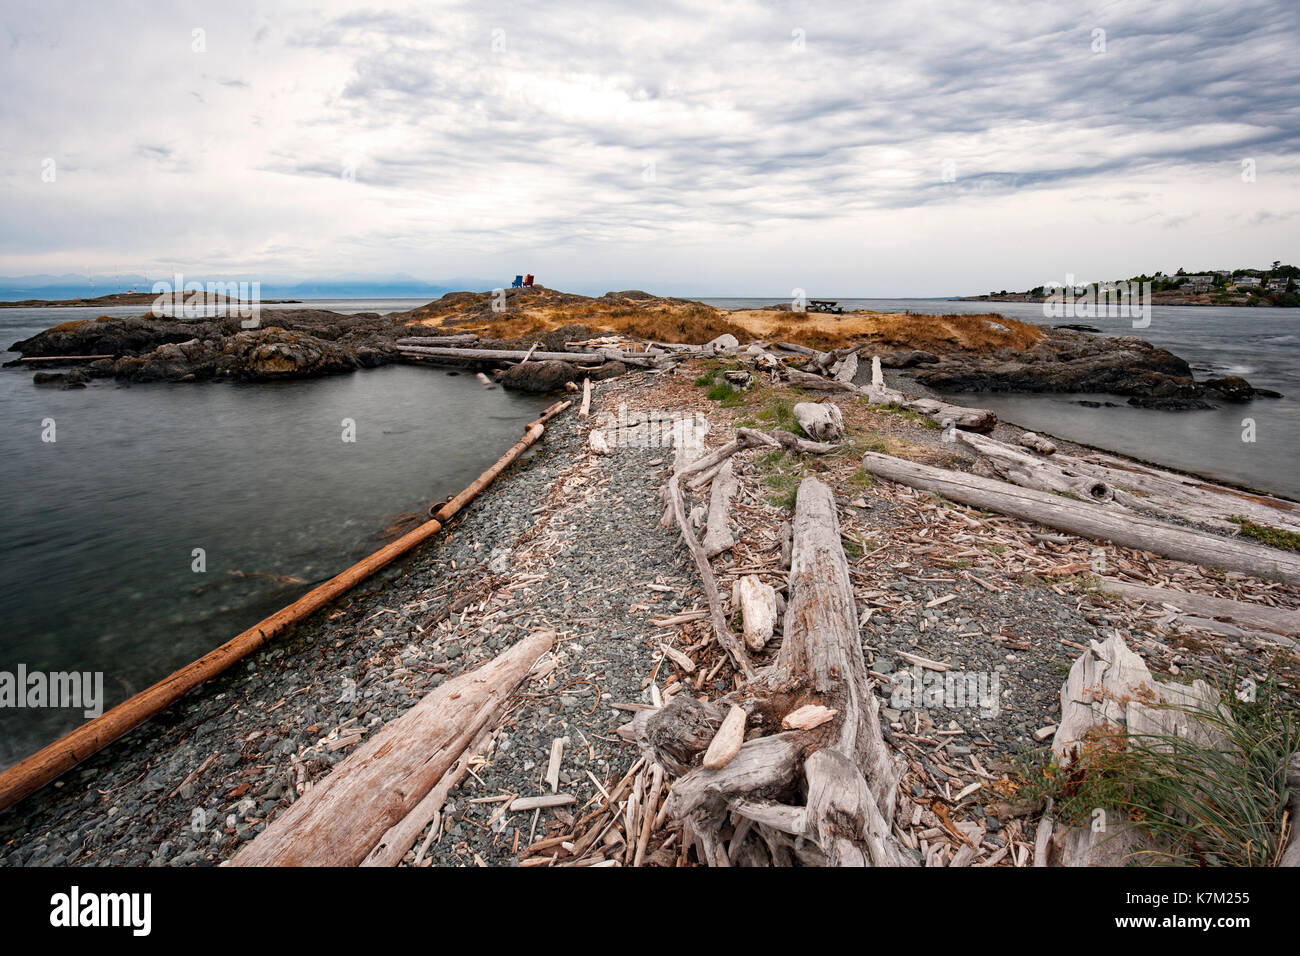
[(720, 147)]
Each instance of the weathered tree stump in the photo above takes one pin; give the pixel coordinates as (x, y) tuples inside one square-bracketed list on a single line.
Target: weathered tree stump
[(820, 796)]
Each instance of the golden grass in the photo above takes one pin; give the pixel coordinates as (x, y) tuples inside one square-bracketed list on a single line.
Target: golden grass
[(532, 311), (935, 333)]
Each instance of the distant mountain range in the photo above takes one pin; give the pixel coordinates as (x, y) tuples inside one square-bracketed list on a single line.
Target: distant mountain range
[(18, 288)]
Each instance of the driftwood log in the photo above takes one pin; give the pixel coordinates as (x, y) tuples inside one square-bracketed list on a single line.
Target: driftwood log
[(1182, 496), (346, 816), (717, 533), (1009, 463), (821, 421), (1091, 520), (1255, 617), (1139, 488), (757, 603), (824, 796)]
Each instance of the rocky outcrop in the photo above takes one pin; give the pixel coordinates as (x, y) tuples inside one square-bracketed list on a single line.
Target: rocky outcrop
[(1068, 360), (299, 343)]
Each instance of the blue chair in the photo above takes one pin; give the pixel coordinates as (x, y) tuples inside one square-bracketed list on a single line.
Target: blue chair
[(518, 283)]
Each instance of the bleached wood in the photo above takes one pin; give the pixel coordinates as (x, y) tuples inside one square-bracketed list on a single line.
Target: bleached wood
[(553, 766), (585, 409), (1009, 463), (1184, 497), (807, 717), (379, 783), (717, 534), (721, 629), (1091, 520), (1038, 443), (823, 422), (543, 802), (757, 602), (848, 368), (1282, 621), (850, 775), (726, 742)]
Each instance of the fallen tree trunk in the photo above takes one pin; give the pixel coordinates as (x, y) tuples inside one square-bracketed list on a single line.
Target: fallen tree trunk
[(1091, 520), (343, 817), (400, 837), (1181, 496), (462, 338), (843, 765), (1257, 617), (517, 355), (949, 416)]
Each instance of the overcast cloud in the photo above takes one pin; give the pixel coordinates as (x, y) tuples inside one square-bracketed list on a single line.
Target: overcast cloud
[(725, 148)]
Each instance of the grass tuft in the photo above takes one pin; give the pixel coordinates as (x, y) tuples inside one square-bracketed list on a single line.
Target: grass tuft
[(1202, 804)]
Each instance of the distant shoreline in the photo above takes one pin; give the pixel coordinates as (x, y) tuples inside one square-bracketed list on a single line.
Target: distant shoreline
[(121, 299), (1158, 298)]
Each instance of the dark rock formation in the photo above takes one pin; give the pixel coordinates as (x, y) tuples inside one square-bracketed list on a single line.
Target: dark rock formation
[(1232, 388), (298, 343), (907, 359), (1067, 360), (551, 376)]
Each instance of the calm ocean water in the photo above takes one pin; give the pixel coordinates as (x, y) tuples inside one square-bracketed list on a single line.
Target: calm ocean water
[(96, 549), (1261, 345), (96, 546)]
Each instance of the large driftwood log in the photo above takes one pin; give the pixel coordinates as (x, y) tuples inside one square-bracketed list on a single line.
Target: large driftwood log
[(821, 421), (1091, 520), (955, 416), (842, 769), (1258, 617), (343, 817), (816, 383), (1182, 496)]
